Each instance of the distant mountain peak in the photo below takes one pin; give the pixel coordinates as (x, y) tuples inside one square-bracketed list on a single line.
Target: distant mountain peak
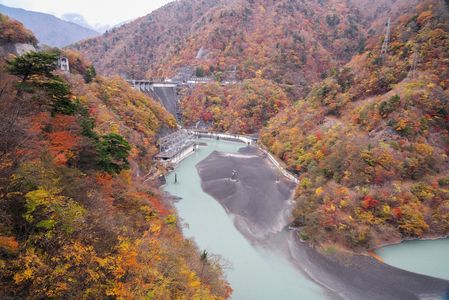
[(80, 20), (49, 29)]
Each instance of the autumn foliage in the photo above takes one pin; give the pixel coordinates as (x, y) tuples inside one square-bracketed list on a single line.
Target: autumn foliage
[(78, 219), (293, 43), (366, 134), (369, 143), (238, 108), (12, 31)]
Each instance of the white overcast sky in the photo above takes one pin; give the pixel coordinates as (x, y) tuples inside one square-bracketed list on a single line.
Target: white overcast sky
[(105, 12)]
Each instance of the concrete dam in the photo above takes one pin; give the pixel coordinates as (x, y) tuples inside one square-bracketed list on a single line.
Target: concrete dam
[(167, 92), (164, 92)]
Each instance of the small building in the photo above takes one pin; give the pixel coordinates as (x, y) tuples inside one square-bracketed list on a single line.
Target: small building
[(63, 64)]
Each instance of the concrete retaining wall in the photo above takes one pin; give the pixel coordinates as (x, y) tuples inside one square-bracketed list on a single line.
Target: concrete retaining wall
[(281, 169)]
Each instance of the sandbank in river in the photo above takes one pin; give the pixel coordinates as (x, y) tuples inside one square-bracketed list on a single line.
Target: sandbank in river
[(258, 198)]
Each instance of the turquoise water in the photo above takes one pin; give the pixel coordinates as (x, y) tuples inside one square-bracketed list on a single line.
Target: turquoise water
[(255, 274), (425, 257)]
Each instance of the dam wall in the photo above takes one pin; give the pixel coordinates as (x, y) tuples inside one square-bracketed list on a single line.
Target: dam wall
[(167, 96), (164, 92)]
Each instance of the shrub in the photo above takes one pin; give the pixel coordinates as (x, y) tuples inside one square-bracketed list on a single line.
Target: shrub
[(199, 72), (389, 106), (90, 74), (332, 20), (422, 191), (443, 181)]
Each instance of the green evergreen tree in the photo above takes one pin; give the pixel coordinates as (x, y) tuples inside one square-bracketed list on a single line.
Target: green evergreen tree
[(33, 63), (90, 74), (114, 152)]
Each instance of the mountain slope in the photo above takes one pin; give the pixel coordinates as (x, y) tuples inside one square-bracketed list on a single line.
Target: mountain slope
[(370, 143), (147, 38), (78, 218), (294, 43), (77, 19), (12, 31), (49, 29), (239, 108)]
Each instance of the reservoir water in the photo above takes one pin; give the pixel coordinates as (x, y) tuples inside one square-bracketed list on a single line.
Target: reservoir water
[(425, 257), (256, 274)]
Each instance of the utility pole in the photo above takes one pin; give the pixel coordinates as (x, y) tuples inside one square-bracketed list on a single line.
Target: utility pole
[(386, 43)]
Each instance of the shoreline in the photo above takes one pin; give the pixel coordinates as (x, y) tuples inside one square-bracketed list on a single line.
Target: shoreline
[(340, 277), (376, 256), (425, 238), (350, 276), (357, 276), (243, 139)]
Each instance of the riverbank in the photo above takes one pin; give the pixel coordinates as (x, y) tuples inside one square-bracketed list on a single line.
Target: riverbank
[(254, 273), (260, 208), (249, 188), (364, 277), (402, 240)]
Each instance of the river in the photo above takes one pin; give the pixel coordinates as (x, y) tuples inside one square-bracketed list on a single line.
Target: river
[(269, 272), (255, 273), (429, 257)]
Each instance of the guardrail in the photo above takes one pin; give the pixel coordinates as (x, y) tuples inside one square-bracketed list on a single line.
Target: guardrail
[(225, 136)]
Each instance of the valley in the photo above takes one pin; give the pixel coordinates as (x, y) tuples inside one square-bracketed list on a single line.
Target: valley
[(242, 149), (264, 259)]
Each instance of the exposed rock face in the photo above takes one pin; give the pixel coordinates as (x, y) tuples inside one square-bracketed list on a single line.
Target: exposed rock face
[(15, 48), (23, 48)]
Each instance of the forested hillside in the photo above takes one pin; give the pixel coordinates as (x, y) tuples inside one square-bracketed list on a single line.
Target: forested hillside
[(12, 31), (149, 39), (239, 108), (77, 219), (371, 142), (294, 43), (368, 137)]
